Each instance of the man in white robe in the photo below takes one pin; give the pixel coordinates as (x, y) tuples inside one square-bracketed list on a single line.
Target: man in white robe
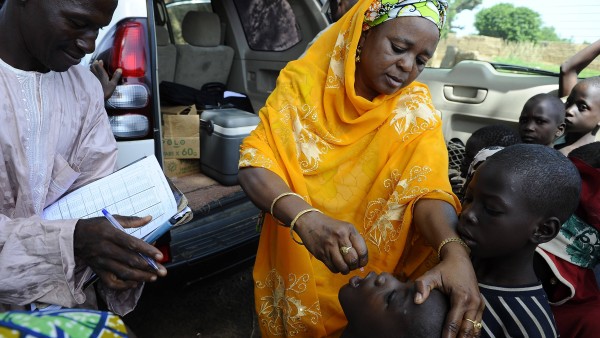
[(55, 137)]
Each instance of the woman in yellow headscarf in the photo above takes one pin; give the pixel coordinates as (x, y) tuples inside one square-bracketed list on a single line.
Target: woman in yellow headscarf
[(350, 166)]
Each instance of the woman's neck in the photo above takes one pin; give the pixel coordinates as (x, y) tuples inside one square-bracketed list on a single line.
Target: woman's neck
[(507, 271)]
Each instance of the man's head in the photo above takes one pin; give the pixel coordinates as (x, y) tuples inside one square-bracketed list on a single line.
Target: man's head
[(583, 106), (542, 120), (52, 34), (382, 306), (517, 199), (494, 135)]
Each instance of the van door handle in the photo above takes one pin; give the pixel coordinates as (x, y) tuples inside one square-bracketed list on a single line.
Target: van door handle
[(465, 94)]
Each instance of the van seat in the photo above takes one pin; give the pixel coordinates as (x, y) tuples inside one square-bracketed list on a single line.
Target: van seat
[(203, 59), (167, 55)]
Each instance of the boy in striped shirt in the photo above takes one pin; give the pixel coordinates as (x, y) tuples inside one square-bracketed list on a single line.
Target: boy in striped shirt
[(518, 198)]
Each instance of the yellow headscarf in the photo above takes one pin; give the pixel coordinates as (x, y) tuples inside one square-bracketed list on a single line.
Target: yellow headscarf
[(364, 162)]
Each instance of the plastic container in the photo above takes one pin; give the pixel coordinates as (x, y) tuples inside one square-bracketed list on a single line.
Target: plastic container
[(221, 134)]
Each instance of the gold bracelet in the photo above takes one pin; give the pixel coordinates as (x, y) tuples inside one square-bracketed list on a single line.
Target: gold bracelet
[(281, 196), (450, 240), (296, 219)]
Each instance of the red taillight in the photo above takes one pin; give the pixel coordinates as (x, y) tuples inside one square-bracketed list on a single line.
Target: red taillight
[(129, 52), (166, 251)]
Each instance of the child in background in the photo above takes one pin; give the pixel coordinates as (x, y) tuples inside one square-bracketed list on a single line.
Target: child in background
[(517, 199), (542, 120), (493, 135), (565, 264), (571, 68), (382, 306), (582, 115)]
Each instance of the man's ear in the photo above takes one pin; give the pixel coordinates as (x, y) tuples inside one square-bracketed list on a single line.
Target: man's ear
[(546, 230), (560, 130)]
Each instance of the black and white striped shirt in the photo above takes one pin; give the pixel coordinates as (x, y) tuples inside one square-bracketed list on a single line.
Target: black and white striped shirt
[(517, 312)]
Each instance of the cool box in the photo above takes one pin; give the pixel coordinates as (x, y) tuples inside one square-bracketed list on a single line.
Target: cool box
[(222, 132)]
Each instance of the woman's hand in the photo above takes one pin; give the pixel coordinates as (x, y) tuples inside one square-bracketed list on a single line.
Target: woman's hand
[(113, 254), (455, 277), (328, 240)]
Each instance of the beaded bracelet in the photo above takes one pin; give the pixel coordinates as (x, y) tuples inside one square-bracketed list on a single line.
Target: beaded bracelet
[(450, 240), (296, 219), (281, 196)]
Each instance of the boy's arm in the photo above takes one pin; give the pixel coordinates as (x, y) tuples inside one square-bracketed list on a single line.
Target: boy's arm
[(574, 65)]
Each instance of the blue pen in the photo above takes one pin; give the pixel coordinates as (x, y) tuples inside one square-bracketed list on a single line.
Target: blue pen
[(117, 225)]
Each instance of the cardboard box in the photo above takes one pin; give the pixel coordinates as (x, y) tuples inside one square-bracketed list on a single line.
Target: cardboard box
[(176, 168), (181, 132)]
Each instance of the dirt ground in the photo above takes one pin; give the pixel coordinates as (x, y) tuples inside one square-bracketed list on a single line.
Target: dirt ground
[(220, 307)]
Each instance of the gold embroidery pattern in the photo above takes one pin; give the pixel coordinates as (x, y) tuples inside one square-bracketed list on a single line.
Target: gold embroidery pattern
[(309, 145), (249, 157), (282, 312), (335, 77), (383, 219), (414, 113)]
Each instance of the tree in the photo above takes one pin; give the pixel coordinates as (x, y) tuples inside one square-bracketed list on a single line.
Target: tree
[(509, 23), (455, 7), (548, 33)]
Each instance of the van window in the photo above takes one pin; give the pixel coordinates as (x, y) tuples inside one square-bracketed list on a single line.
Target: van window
[(269, 25), (177, 10), (518, 36)]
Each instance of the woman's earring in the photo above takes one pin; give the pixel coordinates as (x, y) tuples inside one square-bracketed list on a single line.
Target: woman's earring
[(358, 51)]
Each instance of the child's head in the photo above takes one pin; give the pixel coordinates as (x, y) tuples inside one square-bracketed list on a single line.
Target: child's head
[(583, 106), (494, 135), (382, 306), (542, 120), (517, 199)]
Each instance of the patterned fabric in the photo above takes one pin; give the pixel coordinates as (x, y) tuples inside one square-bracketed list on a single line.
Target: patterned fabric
[(456, 153), (62, 323), (517, 312), (363, 162), (479, 158), (577, 243), (383, 10)]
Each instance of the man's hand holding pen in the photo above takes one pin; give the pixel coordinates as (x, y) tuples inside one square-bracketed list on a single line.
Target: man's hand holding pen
[(115, 255)]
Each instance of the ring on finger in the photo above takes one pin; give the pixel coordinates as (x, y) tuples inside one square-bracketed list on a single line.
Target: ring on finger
[(345, 249), (476, 325)]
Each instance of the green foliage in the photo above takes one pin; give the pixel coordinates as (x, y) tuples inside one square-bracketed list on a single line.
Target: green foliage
[(455, 7), (509, 23), (548, 33)]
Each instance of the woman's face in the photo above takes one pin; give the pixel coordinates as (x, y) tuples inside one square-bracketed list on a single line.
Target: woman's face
[(393, 54)]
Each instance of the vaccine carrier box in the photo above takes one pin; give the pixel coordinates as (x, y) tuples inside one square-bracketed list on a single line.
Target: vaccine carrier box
[(221, 134)]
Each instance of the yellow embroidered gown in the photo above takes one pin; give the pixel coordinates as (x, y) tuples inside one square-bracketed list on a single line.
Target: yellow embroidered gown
[(364, 162)]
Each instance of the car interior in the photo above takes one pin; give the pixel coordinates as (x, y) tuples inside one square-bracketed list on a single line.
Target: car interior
[(224, 41)]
